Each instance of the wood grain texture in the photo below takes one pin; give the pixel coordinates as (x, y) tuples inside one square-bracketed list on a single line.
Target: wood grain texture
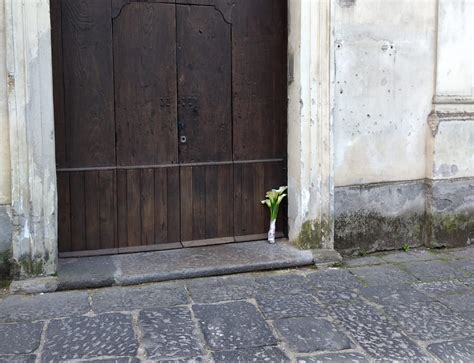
[(251, 182), (145, 84), (259, 51), (204, 84), (206, 202), (64, 213), (88, 83)]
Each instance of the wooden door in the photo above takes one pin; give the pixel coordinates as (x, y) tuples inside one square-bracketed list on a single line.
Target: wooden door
[(170, 121)]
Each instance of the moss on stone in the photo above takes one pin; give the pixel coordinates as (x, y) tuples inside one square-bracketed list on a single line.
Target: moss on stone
[(367, 231), (5, 264), (26, 267), (312, 235), (450, 230)]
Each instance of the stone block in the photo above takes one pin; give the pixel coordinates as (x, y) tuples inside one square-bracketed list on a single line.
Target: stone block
[(380, 338), (20, 338), (306, 335), (42, 307), (139, 297), (431, 270), (169, 333), (84, 337), (339, 357), (430, 321), (454, 351), (383, 275), (288, 306), (264, 354), (233, 325), (334, 279)]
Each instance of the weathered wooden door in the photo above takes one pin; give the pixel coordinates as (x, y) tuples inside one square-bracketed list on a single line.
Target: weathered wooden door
[(170, 121)]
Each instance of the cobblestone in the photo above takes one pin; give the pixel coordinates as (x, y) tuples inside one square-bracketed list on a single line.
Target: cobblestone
[(405, 307)]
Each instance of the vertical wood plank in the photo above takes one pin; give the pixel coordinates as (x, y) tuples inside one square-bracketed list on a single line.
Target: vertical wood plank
[(92, 211), (211, 198), (147, 206), (187, 198), (199, 202), (122, 219), (161, 205), (225, 201), (174, 224), (133, 208), (64, 213), (238, 206), (108, 209), (78, 220)]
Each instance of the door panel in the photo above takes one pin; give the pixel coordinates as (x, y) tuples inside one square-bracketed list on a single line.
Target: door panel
[(204, 84), (206, 203), (170, 121), (145, 84), (259, 79), (251, 182), (89, 135)]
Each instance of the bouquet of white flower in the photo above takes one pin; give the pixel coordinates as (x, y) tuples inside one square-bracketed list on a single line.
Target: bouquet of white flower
[(273, 200)]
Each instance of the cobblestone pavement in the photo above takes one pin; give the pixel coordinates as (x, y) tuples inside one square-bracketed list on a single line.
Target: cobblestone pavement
[(406, 306)]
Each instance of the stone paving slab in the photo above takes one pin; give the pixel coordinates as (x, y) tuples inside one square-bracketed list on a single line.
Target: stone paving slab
[(459, 302), (331, 297), (377, 336), (306, 335), (225, 288), (105, 335), (432, 270), (139, 297), (342, 357), (208, 261), (20, 338), (233, 325), (383, 275), (264, 354), (45, 306), (465, 265), (430, 321), (334, 279), (363, 261), (289, 306), (394, 295), (287, 284), (410, 256), (170, 333), (454, 351), (464, 252), (18, 359), (437, 288)]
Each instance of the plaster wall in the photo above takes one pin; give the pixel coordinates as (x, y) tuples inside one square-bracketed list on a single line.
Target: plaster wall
[(5, 176), (455, 75), (384, 82)]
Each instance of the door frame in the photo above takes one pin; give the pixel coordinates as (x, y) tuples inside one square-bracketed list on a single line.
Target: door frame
[(32, 144)]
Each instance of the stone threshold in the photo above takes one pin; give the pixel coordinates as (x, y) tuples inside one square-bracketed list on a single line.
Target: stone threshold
[(144, 267)]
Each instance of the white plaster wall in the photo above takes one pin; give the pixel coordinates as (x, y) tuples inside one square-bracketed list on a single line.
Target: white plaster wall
[(455, 75), (5, 189), (384, 55), (454, 150)]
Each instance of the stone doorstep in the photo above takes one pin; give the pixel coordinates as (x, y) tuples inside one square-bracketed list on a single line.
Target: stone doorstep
[(138, 268)]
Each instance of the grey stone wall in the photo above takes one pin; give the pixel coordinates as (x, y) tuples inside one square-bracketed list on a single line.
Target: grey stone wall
[(5, 239), (450, 213), (387, 216), (379, 216)]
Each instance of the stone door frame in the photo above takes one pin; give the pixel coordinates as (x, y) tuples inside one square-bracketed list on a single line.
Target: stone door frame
[(32, 144)]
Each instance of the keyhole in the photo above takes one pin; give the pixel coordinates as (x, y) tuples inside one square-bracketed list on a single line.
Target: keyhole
[(182, 139)]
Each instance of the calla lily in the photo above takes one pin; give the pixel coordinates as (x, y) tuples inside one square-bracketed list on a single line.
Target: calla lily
[(273, 199)]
